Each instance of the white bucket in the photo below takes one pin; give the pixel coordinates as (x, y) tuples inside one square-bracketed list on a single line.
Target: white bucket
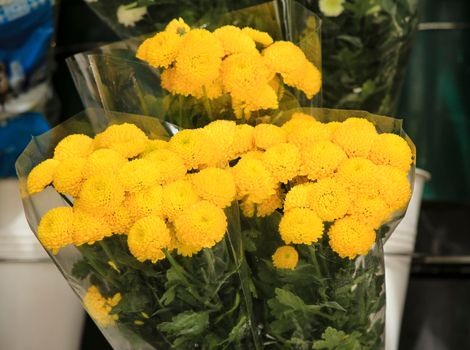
[(398, 255), (38, 310)]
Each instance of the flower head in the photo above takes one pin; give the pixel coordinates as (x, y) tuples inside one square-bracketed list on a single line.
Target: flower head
[(99, 192), (177, 196), (145, 202), (147, 237), (268, 135), (262, 38), (300, 226), (42, 175), (100, 307), (169, 166), (243, 141), (285, 257), (283, 161), (160, 50), (308, 136), (358, 176), (89, 228), (222, 135), (137, 175), (284, 57), (194, 148), (307, 79), (103, 161), (68, 177), (263, 209), (322, 159), (355, 136), (120, 220), (55, 228), (349, 237), (127, 139), (234, 40), (393, 186), (74, 146), (178, 26), (299, 196), (371, 211), (330, 199), (214, 185), (297, 122), (154, 145), (391, 149)]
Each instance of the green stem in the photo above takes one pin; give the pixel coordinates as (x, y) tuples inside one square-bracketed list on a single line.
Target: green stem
[(98, 269), (313, 257), (108, 253), (180, 110), (207, 104)]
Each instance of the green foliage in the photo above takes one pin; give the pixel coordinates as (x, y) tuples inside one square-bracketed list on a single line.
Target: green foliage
[(332, 339)]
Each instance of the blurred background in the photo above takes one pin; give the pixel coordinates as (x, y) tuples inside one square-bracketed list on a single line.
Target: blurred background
[(404, 58)]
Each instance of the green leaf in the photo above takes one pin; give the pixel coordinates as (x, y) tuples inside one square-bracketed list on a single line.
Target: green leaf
[(186, 323), (338, 340), (81, 269)]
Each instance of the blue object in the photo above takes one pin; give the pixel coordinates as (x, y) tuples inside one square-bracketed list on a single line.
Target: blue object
[(15, 134)]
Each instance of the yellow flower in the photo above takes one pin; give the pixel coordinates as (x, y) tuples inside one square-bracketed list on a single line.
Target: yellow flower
[(160, 50), (100, 193), (297, 122), (333, 126), (119, 220), (100, 307), (234, 40), (89, 228), (309, 135), (371, 211), (222, 135), (322, 159), (147, 237), (307, 79), (199, 57), (285, 257), (264, 98), (146, 202), (42, 175), (178, 26), (350, 237), (268, 135), (177, 83), (262, 38), (214, 185), (187, 250), (253, 180), (393, 186), (243, 141), (358, 175), (154, 145), (137, 175), (68, 177), (265, 208), (284, 57), (283, 161), (170, 167), (299, 196), (330, 199), (331, 8), (201, 225), (55, 228), (255, 154), (390, 149), (103, 161), (355, 136), (74, 146), (300, 226), (177, 196), (127, 139), (194, 148)]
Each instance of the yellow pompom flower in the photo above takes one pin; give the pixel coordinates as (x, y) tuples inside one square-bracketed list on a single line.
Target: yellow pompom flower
[(390, 149), (297, 122), (358, 175), (201, 225), (234, 40), (222, 135), (194, 148), (146, 202), (330, 199), (100, 307), (371, 211), (355, 136), (55, 228), (322, 159), (308, 136), (127, 139), (283, 161), (170, 167), (284, 57), (285, 257), (147, 237), (263, 209), (103, 161), (307, 79), (299, 196), (42, 175), (393, 186), (264, 98), (333, 126), (268, 135), (100, 193), (119, 220), (89, 228), (160, 50), (243, 141), (349, 237), (177, 196), (255, 154), (187, 250), (68, 177), (214, 185), (74, 146), (253, 180), (300, 226), (154, 145), (262, 38), (138, 175), (177, 26)]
